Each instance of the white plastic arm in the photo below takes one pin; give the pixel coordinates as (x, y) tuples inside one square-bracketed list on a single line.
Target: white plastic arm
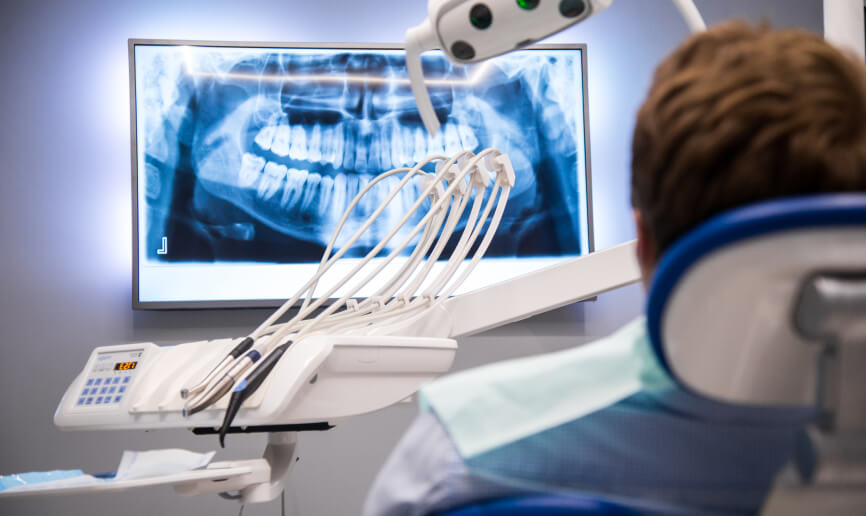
[(543, 290), (691, 14), (419, 39)]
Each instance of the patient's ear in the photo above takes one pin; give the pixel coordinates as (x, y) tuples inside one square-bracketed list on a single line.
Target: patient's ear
[(646, 248)]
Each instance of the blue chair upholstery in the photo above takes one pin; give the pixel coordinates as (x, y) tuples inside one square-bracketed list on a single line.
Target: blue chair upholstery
[(547, 505), (721, 233)]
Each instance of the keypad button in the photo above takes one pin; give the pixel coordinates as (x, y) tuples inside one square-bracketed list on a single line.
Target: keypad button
[(104, 390), (97, 381), (115, 380), (117, 399), (111, 390), (121, 389), (126, 379), (80, 401), (89, 401), (99, 400), (89, 382)]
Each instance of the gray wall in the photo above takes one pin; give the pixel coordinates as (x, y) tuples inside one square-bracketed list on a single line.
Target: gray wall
[(65, 223)]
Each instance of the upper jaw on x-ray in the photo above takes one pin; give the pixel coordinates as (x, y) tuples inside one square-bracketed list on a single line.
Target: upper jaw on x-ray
[(289, 138)]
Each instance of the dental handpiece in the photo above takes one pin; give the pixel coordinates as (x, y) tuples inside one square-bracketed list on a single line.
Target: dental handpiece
[(249, 385), (223, 385), (220, 368)]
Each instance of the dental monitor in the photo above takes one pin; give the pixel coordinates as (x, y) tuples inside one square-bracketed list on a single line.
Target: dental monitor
[(244, 157)]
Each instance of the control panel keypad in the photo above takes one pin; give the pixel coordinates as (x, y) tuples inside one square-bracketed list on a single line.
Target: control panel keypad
[(109, 379), (105, 390)]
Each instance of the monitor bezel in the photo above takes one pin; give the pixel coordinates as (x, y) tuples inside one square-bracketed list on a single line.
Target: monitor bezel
[(137, 304)]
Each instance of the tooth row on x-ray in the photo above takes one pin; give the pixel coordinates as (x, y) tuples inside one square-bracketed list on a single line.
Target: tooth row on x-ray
[(389, 146)]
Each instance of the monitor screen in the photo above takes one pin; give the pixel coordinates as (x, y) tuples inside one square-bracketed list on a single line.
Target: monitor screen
[(246, 155)]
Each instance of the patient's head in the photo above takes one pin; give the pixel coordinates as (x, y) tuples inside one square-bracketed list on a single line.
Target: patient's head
[(740, 114)]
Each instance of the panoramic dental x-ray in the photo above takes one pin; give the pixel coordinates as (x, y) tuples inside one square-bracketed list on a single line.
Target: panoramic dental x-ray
[(252, 154)]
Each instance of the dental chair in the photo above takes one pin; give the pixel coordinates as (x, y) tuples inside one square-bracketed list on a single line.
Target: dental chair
[(764, 307)]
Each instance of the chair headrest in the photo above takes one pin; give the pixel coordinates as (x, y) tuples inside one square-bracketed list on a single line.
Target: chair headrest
[(720, 308)]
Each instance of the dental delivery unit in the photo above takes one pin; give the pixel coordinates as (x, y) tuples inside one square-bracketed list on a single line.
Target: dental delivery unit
[(327, 363), (310, 368)]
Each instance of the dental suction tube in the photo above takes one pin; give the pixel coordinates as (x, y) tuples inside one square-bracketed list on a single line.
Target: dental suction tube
[(447, 193), (469, 31)]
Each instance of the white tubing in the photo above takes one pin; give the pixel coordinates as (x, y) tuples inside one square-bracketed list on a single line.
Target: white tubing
[(278, 335), (456, 180), (297, 320), (289, 303), (467, 240), (393, 254), (453, 219), (323, 264), (691, 14), (400, 307), (434, 227)]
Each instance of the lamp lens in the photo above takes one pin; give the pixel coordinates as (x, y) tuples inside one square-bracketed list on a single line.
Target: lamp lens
[(480, 16)]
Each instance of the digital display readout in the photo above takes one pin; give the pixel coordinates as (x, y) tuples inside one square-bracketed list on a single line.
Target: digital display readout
[(125, 366)]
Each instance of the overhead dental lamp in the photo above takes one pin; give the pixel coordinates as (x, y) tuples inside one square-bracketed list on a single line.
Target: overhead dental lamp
[(469, 31)]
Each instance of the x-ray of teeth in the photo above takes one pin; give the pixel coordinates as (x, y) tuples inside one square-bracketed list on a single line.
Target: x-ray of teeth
[(252, 154)]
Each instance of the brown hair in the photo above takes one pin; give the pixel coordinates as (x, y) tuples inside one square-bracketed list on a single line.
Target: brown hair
[(739, 114)]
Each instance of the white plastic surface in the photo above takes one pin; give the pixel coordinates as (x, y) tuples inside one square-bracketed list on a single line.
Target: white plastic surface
[(844, 25), (320, 379), (512, 27), (249, 471), (728, 327), (325, 378), (543, 290), (691, 15)]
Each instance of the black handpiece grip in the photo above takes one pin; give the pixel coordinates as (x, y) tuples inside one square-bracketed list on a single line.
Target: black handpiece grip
[(242, 347), (255, 378), (249, 386)]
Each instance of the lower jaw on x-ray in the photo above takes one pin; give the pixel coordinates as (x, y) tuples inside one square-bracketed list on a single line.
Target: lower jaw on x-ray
[(248, 157)]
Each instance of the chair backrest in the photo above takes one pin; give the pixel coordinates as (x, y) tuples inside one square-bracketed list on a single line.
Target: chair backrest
[(765, 306), (724, 306)]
